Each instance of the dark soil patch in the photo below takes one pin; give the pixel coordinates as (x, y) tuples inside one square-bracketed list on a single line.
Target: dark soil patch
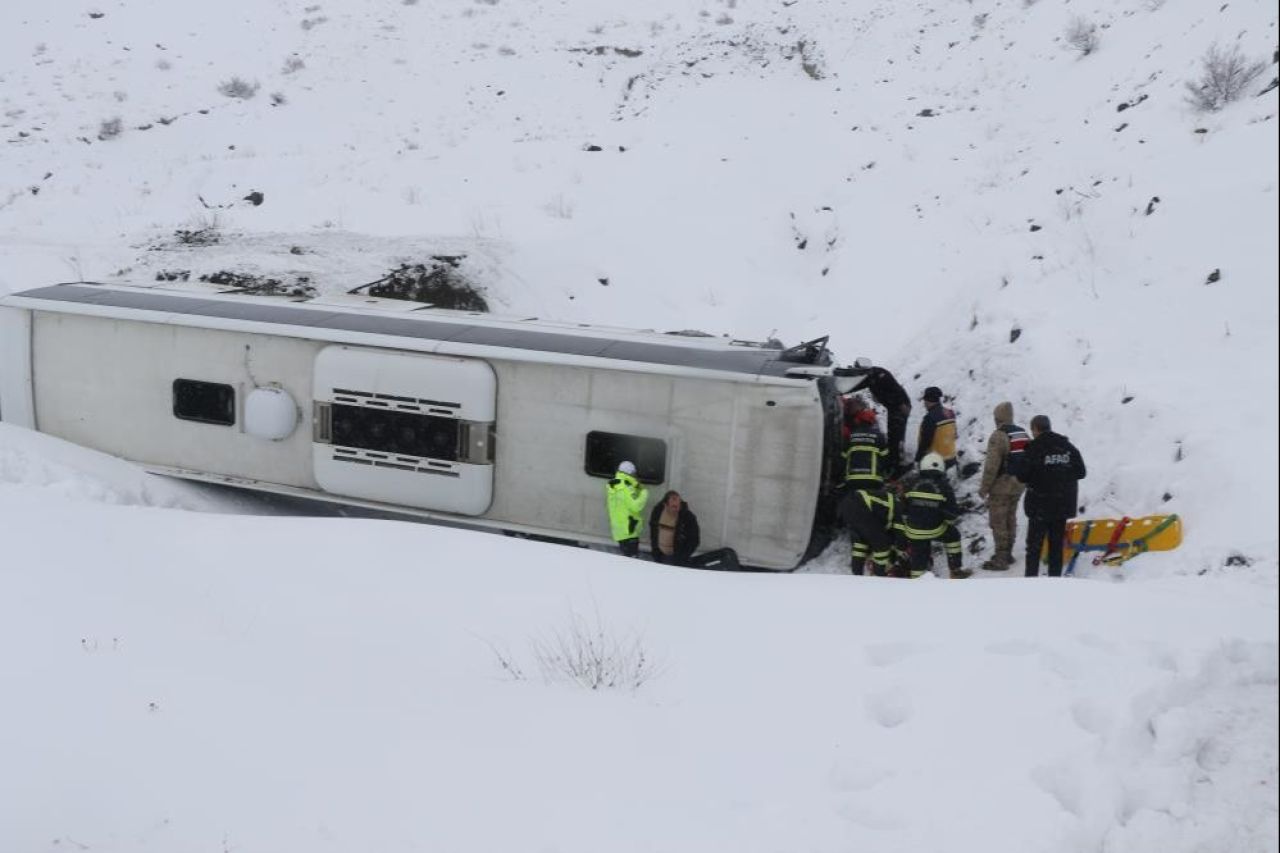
[(238, 282), (262, 285), (438, 282)]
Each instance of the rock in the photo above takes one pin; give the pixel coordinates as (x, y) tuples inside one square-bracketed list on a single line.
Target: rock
[(1213, 276)]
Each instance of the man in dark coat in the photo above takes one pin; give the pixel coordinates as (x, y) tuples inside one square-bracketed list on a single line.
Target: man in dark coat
[(1052, 468), (674, 536), (937, 428), (886, 391)]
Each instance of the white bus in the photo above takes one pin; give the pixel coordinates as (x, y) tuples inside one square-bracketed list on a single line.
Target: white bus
[(504, 423)]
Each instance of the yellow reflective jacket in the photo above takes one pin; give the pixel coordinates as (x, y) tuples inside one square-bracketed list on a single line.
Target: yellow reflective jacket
[(626, 499)]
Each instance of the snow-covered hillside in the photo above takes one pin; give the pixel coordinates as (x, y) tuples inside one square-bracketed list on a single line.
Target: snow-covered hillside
[(953, 189)]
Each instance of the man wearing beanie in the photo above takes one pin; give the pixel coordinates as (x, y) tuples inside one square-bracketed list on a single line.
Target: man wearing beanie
[(937, 429)]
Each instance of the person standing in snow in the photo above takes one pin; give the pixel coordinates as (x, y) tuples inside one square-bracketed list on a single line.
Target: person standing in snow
[(929, 513), (1000, 486), (937, 429), (866, 456), (867, 509), (674, 536), (625, 499), (1052, 468), (886, 391)]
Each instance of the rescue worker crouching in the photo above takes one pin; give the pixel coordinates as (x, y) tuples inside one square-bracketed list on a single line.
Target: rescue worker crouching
[(929, 512), (625, 499), (870, 514)]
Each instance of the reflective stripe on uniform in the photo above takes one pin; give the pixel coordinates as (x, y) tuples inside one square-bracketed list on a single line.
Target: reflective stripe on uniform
[(912, 533)]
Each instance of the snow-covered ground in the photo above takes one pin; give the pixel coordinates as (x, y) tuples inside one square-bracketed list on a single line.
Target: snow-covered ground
[(948, 188)]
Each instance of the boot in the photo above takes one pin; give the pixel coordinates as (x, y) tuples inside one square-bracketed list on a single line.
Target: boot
[(953, 566), (857, 566), (960, 574), (998, 563)]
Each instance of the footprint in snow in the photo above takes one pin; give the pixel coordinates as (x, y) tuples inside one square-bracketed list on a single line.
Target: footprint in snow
[(872, 817), (1090, 716), (1093, 641), (890, 708), (888, 654), (854, 778), (1014, 647), (1062, 785)]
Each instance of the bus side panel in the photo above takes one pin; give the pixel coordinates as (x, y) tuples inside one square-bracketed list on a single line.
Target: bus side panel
[(722, 438), (777, 474), (109, 384), (17, 403), (545, 413)]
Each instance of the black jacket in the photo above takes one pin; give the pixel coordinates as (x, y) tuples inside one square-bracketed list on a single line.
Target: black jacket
[(884, 389), (1051, 468), (928, 505), (688, 537), (864, 457)]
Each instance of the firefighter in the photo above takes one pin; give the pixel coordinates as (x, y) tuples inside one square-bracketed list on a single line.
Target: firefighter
[(870, 513), (866, 455), (929, 514)]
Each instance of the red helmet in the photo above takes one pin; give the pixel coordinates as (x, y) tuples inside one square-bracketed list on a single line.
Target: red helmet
[(865, 416)]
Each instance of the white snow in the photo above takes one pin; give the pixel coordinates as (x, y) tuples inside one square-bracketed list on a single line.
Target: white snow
[(182, 675)]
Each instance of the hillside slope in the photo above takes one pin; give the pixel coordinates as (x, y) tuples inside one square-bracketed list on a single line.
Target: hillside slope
[(925, 182), (949, 188)]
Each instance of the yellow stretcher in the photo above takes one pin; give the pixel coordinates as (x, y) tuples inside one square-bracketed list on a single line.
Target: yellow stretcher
[(1112, 541)]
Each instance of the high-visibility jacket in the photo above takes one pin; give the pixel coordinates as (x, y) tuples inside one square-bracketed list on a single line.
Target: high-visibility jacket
[(864, 457), (625, 498), (928, 506), (938, 434)]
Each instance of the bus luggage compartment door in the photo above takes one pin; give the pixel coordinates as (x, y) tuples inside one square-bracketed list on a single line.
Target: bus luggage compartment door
[(403, 428)]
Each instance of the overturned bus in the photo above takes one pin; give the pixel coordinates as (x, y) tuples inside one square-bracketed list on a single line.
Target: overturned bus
[(503, 423)]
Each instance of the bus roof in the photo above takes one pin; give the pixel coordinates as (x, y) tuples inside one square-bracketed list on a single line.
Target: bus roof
[(454, 330)]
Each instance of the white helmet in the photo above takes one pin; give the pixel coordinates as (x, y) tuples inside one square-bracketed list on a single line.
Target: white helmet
[(932, 462), (627, 468)]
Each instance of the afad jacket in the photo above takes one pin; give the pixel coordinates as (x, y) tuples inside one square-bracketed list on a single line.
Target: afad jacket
[(1052, 469)]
